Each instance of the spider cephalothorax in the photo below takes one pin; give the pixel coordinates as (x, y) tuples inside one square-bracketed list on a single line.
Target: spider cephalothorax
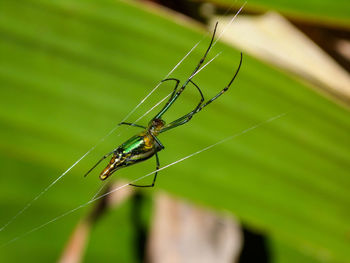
[(155, 126)]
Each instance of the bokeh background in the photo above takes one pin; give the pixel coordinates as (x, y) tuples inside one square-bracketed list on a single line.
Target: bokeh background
[(71, 70)]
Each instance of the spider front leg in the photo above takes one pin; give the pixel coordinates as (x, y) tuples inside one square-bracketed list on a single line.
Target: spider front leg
[(171, 99), (176, 85), (178, 122), (205, 54), (154, 178), (174, 96), (132, 124), (223, 90), (187, 117)]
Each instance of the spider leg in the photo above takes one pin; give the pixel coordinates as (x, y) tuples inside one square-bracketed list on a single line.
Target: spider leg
[(169, 102), (132, 124), (205, 54), (93, 167), (178, 122), (186, 118), (200, 92), (154, 178), (178, 93), (176, 85), (161, 146), (223, 90)]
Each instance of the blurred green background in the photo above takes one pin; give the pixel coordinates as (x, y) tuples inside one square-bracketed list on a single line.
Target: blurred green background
[(70, 70)]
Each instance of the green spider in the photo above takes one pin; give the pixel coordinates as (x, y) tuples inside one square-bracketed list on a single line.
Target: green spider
[(146, 144)]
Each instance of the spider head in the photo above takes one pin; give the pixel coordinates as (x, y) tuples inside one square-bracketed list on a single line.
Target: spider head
[(156, 125)]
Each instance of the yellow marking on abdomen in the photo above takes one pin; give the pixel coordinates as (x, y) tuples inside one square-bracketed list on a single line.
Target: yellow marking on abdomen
[(148, 139)]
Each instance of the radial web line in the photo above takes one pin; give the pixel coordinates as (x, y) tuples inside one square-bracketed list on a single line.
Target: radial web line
[(223, 31), (159, 102), (229, 23), (144, 176), (124, 119), (92, 148), (157, 86), (219, 37), (206, 64)]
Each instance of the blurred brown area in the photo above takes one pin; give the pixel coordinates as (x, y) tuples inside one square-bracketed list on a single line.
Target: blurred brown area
[(334, 41), (180, 232), (184, 233), (76, 245)]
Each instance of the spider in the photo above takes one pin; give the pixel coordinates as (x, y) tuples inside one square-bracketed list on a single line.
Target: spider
[(144, 145)]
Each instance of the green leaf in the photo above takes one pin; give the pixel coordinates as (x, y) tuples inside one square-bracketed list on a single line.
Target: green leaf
[(71, 70)]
